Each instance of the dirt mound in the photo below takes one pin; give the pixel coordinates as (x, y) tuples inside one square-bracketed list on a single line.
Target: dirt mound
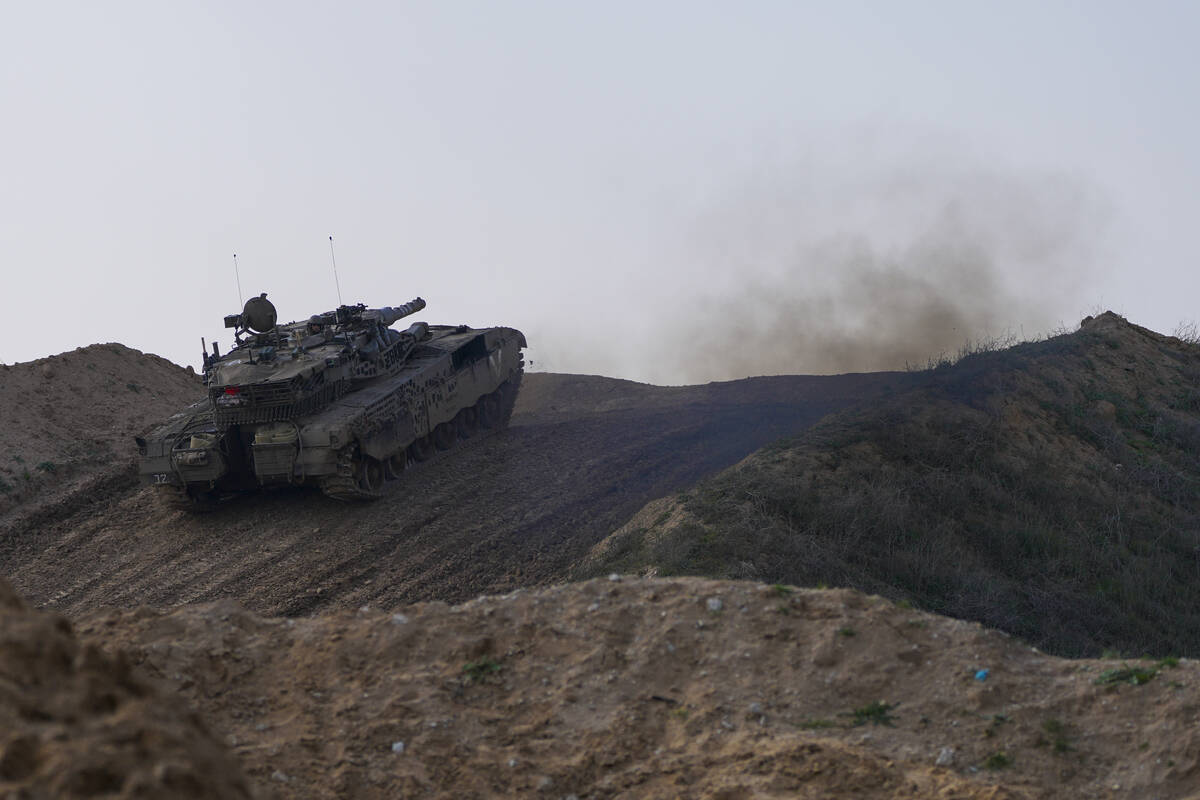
[(76, 722), (1050, 490), (69, 421), (666, 688), (516, 509)]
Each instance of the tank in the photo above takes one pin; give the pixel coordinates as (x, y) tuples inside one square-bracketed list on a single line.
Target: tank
[(342, 401)]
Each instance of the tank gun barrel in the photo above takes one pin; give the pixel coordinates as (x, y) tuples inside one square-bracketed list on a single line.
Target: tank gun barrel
[(388, 314)]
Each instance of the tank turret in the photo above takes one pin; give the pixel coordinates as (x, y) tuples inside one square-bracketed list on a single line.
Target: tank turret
[(275, 371)]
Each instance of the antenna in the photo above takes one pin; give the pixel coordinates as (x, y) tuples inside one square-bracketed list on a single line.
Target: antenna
[(333, 258), (237, 275)]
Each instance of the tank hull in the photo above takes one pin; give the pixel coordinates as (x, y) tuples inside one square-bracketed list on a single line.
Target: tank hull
[(455, 383)]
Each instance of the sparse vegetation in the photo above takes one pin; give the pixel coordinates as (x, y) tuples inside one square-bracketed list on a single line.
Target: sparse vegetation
[(816, 724), (994, 725), (47, 466), (1188, 332), (846, 631), (1135, 676), (1057, 731), (781, 590), (477, 671), (876, 713), (998, 760), (971, 347)]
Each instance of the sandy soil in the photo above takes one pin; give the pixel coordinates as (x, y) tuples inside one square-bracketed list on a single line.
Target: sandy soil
[(662, 688)]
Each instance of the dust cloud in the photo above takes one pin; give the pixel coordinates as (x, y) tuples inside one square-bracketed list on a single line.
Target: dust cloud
[(881, 272)]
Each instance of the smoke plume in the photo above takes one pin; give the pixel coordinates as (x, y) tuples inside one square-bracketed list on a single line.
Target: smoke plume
[(879, 272)]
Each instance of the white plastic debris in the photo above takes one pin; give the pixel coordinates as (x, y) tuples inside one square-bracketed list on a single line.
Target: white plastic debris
[(399, 619), (397, 747), (715, 604)]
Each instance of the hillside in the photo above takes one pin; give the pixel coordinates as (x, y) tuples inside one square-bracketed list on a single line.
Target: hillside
[(516, 509), (1051, 490)]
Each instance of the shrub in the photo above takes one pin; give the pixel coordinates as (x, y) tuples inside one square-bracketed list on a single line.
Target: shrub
[(1135, 676), (876, 713), (476, 671)]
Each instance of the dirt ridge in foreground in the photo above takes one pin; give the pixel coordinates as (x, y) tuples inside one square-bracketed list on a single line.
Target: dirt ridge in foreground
[(78, 722), (664, 688)]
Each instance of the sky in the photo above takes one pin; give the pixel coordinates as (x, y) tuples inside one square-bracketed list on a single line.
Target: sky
[(671, 192)]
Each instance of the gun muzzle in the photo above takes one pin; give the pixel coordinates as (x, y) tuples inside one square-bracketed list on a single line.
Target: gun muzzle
[(388, 315)]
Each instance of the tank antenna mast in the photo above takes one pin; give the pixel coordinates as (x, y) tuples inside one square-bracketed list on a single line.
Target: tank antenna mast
[(237, 275), (333, 258)]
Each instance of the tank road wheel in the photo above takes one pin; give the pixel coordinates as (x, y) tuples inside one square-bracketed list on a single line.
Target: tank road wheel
[(369, 475), (421, 449), (467, 422), (396, 465), (489, 410), (444, 435)]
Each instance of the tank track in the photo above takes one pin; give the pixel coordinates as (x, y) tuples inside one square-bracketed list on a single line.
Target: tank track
[(346, 484)]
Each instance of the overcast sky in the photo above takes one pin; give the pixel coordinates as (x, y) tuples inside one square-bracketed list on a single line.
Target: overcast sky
[(664, 191)]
